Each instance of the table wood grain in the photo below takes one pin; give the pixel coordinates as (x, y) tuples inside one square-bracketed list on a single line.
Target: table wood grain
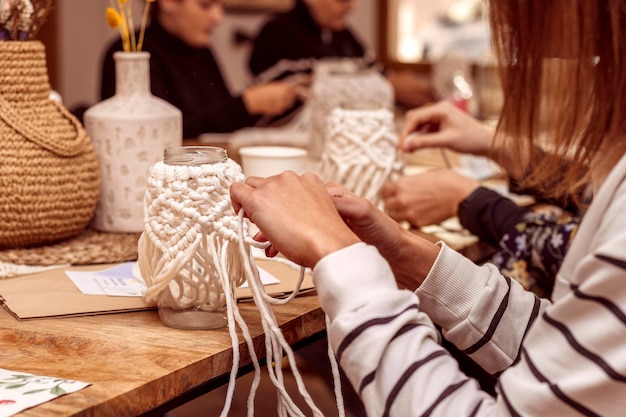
[(134, 362)]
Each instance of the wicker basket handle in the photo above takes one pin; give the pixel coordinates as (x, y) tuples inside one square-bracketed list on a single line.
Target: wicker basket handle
[(62, 148)]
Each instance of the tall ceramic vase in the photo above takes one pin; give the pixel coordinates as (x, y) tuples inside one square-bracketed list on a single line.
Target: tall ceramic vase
[(130, 132)]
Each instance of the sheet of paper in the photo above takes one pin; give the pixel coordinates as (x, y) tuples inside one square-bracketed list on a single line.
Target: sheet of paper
[(52, 294), (266, 278), (21, 390), (116, 281), (123, 281)]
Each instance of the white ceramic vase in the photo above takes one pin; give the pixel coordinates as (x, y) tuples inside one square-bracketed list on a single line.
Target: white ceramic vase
[(130, 131)]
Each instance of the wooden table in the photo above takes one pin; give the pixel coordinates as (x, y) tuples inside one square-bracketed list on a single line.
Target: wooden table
[(137, 365)]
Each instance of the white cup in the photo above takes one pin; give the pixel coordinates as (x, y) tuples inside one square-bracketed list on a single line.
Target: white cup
[(265, 161)]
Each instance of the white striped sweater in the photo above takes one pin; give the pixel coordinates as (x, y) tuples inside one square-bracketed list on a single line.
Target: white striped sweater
[(565, 358)]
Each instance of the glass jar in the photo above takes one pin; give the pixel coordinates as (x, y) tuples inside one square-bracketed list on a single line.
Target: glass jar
[(195, 298)]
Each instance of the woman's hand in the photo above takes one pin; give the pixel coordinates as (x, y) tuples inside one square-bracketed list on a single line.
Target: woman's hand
[(427, 198), (409, 256), (271, 99), (442, 125), (295, 213)]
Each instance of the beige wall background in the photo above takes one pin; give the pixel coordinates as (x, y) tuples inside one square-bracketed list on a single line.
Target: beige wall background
[(84, 36)]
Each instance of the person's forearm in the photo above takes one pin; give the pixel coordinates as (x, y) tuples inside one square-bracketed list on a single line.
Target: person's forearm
[(489, 215), (411, 261)]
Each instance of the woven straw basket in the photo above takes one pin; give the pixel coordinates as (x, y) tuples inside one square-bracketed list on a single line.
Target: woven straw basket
[(49, 175)]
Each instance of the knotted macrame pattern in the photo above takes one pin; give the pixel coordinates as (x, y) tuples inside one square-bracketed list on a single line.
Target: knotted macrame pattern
[(198, 248), (343, 84), (361, 151)]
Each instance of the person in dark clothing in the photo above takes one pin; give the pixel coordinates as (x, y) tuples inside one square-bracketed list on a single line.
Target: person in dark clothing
[(290, 43), (185, 72), (296, 37)]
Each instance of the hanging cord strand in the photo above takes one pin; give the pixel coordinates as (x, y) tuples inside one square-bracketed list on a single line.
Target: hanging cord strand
[(269, 323), (275, 343)]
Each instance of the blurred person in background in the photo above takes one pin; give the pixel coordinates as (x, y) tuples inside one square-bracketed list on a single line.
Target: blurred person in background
[(185, 72), (290, 43)]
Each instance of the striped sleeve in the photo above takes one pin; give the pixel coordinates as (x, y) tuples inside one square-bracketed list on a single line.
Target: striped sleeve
[(388, 348), (483, 313), (573, 361)]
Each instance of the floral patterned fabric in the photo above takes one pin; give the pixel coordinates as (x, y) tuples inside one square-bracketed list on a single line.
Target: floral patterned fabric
[(531, 243), (532, 251)]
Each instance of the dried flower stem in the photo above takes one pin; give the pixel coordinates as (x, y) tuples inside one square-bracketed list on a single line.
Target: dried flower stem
[(131, 26), (144, 20), (125, 37), (124, 22)]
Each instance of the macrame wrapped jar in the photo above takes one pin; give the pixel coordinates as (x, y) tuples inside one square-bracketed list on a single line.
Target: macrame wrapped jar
[(188, 253), (130, 131), (49, 180), (361, 151), (195, 250), (343, 83)]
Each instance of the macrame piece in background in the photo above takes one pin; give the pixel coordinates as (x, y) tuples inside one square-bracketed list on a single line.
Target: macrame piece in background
[(194, 242), (343, 83), (361, 151)]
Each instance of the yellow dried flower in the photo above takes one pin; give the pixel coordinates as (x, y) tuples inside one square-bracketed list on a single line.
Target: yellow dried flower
[(113, 18), (123, 1)]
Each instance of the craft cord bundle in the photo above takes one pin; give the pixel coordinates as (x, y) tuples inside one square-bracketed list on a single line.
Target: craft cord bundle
[(189, 217), (361, 151)]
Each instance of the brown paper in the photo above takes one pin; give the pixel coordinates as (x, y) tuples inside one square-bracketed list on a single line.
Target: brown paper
[(52, 293)]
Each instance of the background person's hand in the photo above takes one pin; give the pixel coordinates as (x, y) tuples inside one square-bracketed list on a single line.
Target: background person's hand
[(427, 198), (271, 99), (295, 213), (442, 125)]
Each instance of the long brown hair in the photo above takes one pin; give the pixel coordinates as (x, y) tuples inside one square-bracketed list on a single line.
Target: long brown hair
[(564, 80)]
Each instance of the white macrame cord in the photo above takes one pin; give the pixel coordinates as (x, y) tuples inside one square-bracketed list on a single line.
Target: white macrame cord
[(361, 151), (198, 248)]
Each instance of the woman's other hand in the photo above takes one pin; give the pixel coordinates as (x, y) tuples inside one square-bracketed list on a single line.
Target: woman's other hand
[(442, 125), (427, 198), (409, 256)]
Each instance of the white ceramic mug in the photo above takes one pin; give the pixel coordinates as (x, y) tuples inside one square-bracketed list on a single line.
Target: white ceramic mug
[(265, 161)]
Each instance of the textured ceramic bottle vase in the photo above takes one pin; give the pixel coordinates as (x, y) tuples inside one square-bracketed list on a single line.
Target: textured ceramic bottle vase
[(130, 131)]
